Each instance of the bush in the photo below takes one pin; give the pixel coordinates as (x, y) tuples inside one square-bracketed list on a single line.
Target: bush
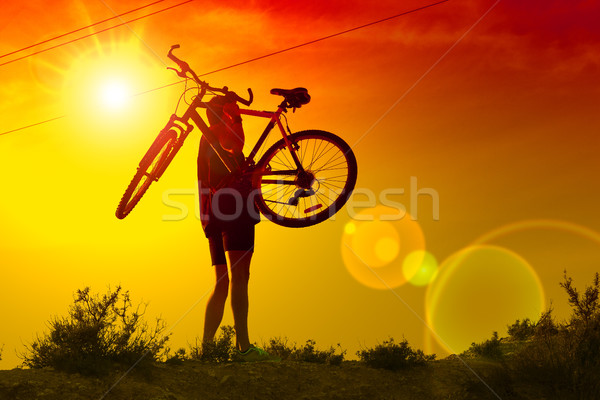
[(585, 308), (98, 332), (521, 330), (222, 349), (393, 356), (279, 347), (309, 353), (565, 357), (219, 350), (176, 359), (489, 349)]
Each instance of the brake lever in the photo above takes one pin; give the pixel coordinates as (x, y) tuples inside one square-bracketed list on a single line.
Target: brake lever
[(179, 73), (180, 63)]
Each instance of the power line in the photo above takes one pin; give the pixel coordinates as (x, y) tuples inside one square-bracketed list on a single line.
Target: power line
[(80, 29), (302, 44), (95, 33), (261, 57), (32, 125), (326, 37)]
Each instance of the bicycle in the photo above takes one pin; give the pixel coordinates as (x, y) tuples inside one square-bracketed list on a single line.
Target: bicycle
[(301, 180)]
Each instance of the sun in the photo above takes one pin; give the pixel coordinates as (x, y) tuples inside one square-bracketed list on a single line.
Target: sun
[(100, 85), (102, 89), (114, 94)]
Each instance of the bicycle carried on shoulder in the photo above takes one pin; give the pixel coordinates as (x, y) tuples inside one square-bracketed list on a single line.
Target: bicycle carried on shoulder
[(301, 180)]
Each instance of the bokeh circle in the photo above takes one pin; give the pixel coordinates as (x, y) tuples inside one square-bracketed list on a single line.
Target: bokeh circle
[(376, 242), (419, 267), (479, 290)]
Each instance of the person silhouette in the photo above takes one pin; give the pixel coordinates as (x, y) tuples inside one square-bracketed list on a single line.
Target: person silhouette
[(229, 224)]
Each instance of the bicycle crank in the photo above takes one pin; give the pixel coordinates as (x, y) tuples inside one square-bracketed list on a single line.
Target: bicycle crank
[(293, 201)]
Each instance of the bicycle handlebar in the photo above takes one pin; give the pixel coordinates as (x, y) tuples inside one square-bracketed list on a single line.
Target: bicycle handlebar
[(185, 68)]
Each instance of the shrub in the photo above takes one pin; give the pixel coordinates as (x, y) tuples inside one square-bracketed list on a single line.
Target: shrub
[(393, 356), (565, 357), (546, 327), (98, 332), (585, 308), (222, 349), (521, 330), (178, 358), (219, 350), (309, 353), (279, 347), (489, 349)]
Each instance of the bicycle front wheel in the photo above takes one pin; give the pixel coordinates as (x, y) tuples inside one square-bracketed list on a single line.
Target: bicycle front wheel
[(299, 197), (151, 168)]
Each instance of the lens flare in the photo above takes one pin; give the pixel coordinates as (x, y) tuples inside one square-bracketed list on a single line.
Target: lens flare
[(350, 228), (419, 267), (521, 226), (479, 290), (374, 245), (374, 242), (387, 249)]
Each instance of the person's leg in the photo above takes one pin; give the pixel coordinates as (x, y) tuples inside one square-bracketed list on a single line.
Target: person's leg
[(216, 303), (239, 261)]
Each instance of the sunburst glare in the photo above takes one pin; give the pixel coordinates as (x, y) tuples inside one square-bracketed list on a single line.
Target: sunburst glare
[(114, 94)]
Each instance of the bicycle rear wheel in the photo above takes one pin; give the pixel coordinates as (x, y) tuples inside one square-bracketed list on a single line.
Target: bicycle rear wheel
[(299, 198), (150, 169)]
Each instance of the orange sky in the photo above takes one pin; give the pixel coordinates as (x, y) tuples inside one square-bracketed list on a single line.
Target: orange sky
[(502, 130)]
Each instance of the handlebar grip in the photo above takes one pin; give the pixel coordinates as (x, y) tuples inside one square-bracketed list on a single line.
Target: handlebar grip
[(182, 64), (245, 102), (171, 56)]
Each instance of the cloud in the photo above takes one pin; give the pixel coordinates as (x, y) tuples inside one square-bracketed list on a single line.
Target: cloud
[(551, 36)]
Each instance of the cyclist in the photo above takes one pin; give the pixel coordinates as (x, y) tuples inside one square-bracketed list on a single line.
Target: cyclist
[(228, 224)]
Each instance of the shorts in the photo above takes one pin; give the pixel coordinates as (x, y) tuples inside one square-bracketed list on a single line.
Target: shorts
[(240, 238)]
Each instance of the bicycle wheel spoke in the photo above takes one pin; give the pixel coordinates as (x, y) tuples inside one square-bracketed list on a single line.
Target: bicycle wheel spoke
[(331, 179), (289, 164), (319, 154), (335, 177), (312, 157), (303, 157), (332, 187), (277, 190), (334, 158)]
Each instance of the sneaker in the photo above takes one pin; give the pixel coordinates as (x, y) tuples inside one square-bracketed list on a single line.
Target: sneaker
[(255, 354)]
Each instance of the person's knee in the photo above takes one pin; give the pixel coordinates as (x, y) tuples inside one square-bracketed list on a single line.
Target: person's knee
[(222, 283), (240, 273)]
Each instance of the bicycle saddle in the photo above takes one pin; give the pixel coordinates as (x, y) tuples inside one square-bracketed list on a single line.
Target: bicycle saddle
[(294, 97)]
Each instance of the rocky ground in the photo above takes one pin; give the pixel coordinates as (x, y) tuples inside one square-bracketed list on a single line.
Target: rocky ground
[(444, 379)]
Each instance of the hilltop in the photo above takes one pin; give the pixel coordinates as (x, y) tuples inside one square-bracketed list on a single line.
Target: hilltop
[(443, 379)]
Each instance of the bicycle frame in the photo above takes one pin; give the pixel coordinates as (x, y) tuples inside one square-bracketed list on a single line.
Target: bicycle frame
[(309, 194), (192, 114)]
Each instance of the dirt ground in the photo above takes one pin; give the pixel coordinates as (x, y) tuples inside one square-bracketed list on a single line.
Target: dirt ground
[(444, 379)]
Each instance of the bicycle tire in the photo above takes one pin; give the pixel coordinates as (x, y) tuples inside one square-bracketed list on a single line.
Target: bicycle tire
[(332, 171), (150, 169)]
